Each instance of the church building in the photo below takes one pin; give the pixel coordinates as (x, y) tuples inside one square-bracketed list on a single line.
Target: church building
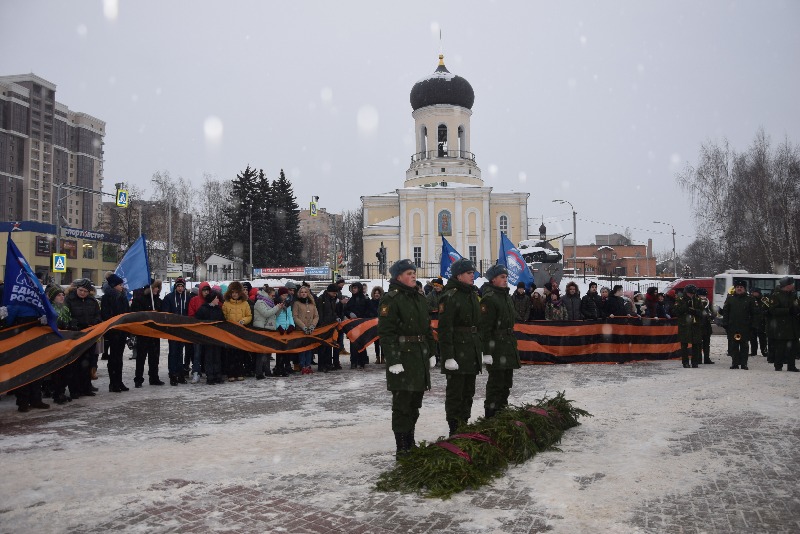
[(443, 193)]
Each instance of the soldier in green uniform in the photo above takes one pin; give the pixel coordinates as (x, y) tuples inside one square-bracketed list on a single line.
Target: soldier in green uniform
[(406, 338), (460, 341), (433, 306), (500, 352), (758, 333), (737, 318), (689, 311), (705, 325), (782, 324)]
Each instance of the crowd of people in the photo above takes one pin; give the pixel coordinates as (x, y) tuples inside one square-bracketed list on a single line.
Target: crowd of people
[(282, 309), (771, 322)]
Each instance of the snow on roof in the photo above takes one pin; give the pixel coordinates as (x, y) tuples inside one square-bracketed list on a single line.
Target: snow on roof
[(394, 221)]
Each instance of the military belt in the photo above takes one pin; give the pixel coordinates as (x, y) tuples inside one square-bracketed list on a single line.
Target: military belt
[(470, 329), (412, 339)]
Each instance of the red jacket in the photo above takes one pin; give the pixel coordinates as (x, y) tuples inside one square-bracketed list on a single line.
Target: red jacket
[(198, 300)]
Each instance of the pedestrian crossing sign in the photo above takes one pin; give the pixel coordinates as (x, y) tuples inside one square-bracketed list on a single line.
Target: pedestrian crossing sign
[(59, 263), (122, 198)]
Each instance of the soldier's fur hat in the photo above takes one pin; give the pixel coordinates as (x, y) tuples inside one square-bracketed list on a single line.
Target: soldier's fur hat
[(401, 266)]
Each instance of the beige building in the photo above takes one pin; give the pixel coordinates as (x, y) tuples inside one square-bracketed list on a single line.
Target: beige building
[(443, 193), (44, 143)]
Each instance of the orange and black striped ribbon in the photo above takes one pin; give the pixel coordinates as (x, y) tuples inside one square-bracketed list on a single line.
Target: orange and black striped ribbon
[(30, 351)]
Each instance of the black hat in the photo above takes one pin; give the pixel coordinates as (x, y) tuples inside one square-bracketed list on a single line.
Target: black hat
[(114, 280), (786, 281), (437, 281), (690, 289), (520, 285), (333, 288), (739, 282), (495, 270), (248, 286), (178, 282), (461, 266), (211, 296), (84, 283), (702, 292), (755, 290), (592, 284), (401, 266)]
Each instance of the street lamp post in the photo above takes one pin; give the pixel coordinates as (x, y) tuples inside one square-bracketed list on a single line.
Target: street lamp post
[(674, 260), (574, 236)]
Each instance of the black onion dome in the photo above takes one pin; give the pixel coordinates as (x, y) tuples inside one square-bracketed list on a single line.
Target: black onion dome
[(442, 87)]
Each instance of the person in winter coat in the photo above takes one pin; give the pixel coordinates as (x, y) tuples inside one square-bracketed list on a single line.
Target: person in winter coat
[(60, 379), (114, 303), (306, 318), (84, 312), (554, 310), (211, 310), (374, 303), (521, 301), (590, 303), (407, 341), (177, 302), (538, 305), (356, 307), (615, 306), (782, 325), (572, 302), (236, 309), (265, 312), (651, 302), (284, 324), (197, 350), (148, 348), (500, 352), (327, 314), (737, 318), (705, 325), (689, 312), (460, 342), (661, 307), (603, 304)]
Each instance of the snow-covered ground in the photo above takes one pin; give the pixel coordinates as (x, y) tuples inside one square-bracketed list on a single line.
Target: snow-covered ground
[(668, 449)]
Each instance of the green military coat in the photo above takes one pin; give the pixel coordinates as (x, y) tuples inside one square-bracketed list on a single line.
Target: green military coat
[(498, 315), (782, 315), (459, 337), (406, 337), (760, 314), (689, 312), (737, 315)]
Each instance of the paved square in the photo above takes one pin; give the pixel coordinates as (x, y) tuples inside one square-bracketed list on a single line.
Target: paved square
[(668, 450)]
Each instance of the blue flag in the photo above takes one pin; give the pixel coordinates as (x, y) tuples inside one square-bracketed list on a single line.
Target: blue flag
[(23, 294), (449, 256), (511, 257), (134, 269)]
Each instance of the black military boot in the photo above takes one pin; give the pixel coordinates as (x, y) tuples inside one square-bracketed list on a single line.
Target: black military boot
[(412, 443), (453, 424), (401, 440)]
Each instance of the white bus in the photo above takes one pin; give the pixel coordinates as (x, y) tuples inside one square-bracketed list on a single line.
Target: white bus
[(723, 283)]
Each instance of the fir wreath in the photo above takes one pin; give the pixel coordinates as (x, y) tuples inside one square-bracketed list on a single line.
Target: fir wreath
[(482, 450)]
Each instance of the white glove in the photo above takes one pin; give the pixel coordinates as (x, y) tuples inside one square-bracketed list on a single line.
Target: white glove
[(433, 361), (487, 359), (43, 320), (451, 365), (352, 315), (396, 369), (3, 312)]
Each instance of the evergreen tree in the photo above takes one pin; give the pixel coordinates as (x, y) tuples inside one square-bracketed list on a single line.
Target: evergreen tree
[(284, 239), (262, 221), (239, 211)]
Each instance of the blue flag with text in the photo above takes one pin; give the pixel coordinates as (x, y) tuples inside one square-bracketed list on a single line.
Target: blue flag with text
[(511, 257), (23, 294), (449, 256), (134, 269)]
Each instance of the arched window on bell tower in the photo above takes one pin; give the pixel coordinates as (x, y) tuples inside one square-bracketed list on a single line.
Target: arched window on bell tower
[(462, 142), (442, 141), (423, 142)]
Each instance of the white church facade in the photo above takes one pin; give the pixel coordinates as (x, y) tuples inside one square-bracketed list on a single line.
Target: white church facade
[(443, 193)]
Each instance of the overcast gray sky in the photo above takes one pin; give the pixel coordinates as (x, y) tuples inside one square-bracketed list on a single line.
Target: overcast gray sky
[(598, 103)]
